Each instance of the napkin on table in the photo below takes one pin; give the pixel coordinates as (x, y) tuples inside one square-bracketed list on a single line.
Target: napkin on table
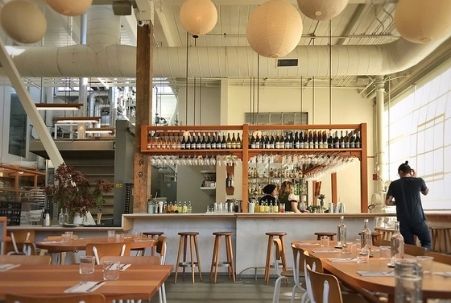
[(446, 274), (365, 273), (5, 267), (343, 260), (85, 286)]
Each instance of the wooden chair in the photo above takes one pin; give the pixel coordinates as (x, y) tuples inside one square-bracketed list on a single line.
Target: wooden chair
[(438, 257), (314, 262), (99, 250), (25, 260), (323, 287), (286, 274), (66, 298), (441, 239), (3, 222), (21, 243), (414, 250)]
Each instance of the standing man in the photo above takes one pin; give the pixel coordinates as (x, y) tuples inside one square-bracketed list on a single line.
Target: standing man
[(409, 211)]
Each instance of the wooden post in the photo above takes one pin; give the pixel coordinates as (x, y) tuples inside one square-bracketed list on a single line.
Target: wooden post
[(245, 170), (333, 181), (144, 74)]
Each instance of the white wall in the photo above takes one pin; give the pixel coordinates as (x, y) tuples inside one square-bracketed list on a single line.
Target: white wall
[(347, 107), (207, 105)]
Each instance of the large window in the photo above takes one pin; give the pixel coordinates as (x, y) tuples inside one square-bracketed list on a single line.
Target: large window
[(419, 131), (17, 128)]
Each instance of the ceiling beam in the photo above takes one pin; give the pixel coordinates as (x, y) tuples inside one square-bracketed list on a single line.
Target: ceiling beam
[(169, 29)]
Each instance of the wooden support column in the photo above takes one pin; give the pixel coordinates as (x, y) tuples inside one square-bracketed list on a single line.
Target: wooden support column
[(363, 170), (245, 170), (144, 74), (333, 181)]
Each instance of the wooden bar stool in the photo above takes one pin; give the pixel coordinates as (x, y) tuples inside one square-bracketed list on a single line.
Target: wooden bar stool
[(185, 239), (441, 239), (154, 235), (326, 234), (215, 258), (271, 236)]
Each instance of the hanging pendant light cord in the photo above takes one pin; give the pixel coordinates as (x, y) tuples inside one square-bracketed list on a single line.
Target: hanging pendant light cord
[(194, 89), (330, 71), (186, 82)]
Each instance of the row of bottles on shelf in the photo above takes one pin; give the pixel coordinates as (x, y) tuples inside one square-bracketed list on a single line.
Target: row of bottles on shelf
[(194, 141), (163, 207), (306, 140), (366, 243)]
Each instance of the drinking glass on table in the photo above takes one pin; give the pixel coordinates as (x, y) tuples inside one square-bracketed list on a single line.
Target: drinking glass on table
[(426, 263), (408, 281), (86, 266), (385, 252), (324, 240), (110, 270), (111, 234)]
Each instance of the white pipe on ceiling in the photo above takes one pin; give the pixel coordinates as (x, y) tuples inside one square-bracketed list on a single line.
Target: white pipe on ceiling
[(220, 62)]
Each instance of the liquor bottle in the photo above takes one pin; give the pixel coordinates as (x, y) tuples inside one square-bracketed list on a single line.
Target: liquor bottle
[(357, 140), (396, 245), (365, 239), (341, 233), (233, 142), (239, 142), (61, 217)]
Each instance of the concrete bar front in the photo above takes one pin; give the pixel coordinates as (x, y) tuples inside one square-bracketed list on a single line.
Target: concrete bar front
[(249, 239)]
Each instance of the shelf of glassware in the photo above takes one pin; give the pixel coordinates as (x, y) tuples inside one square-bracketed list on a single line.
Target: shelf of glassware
[(348, 152)]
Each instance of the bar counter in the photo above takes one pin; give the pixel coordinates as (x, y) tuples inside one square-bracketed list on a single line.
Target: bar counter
[(248, 230)]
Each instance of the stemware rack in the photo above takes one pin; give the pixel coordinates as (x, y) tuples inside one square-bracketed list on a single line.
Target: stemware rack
[(167, 141)]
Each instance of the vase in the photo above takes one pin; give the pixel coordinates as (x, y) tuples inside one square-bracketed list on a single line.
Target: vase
[(78, 219), (99, 218)]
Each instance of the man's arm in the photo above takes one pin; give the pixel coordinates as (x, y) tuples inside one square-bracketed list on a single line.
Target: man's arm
[(389, 200), (424, 189)]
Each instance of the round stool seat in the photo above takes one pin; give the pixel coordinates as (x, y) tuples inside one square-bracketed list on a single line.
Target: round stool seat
[(222, 233), (326, 234), (188, 233), (276, 233), (153, 233)]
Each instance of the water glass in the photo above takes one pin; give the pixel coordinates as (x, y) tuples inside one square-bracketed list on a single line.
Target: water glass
[(324, 241), (426, 263), (86, 266), (408, 281), (110, 270), (363, 256), (385, 252), (111, 234)]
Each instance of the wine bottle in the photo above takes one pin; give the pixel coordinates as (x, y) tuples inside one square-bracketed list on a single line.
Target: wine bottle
[(330, 141), (347, 143), (239, 142), (341, 233), (252, 142), (315, 140), (208, 142), (223, 142), (203, 143), (357, 140), (301, 140), (271, 142), (342, 140), (199, 141), (233, 144), (396, 245), (297, 143), (352, 140), (336, 140), (311, 145), (183, 143)]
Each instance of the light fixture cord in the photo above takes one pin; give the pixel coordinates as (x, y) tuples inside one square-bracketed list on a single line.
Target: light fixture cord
[(330, 71), (194, 89), (313, 91), (200, 101), (186, 81), (258, 85)]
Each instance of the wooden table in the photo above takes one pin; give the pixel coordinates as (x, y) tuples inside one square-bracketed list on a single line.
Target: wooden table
[(80, 244), (434, 286), (136, 282)]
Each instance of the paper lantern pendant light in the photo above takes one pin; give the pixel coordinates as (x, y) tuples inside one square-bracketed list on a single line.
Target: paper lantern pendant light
[(274, 28), (198, 17), (421, 21), (322, 9), (70, 7), (23, 21)]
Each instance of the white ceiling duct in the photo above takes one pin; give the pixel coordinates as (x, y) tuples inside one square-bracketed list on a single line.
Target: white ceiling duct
[(220, 62)]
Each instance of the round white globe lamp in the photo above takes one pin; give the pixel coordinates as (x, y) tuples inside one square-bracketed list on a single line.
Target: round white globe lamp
[(421, 21), (198, 17), (70, 7), (274, 28), (23, 21), (322, 9)]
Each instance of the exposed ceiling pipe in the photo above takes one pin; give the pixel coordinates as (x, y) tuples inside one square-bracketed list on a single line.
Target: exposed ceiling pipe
[(92, 101), (221, 62)]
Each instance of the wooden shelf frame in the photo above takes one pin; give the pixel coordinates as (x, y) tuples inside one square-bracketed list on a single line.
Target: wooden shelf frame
[(245, 153)]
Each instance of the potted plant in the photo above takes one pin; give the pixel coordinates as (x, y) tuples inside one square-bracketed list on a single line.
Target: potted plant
[(71, 191), (100, 188)]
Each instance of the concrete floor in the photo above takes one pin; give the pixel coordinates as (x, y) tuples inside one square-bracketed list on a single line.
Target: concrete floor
[(246, 290)]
